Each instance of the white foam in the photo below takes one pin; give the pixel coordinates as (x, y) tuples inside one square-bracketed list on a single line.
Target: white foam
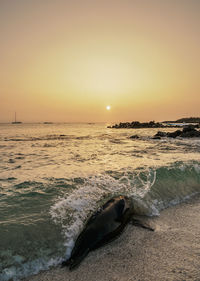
[(30, 268), (72, 212), (197, 168), (83, 201)]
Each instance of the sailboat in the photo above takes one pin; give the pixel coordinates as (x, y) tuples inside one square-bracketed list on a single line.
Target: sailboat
[(16, 122)]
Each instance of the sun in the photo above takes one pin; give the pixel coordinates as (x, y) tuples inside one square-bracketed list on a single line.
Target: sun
[(108, 107)]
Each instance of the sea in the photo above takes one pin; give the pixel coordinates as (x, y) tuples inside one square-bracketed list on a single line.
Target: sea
[(54, 176)]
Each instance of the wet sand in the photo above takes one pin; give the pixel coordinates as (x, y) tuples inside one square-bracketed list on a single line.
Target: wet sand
[(171, 252)]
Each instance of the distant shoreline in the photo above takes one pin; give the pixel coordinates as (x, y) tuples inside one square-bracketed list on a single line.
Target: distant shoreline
[(185, 120)]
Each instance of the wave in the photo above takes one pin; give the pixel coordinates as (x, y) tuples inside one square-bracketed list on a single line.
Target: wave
[(173, 185), (49, 137), (151, 189), (68, 203), (16, 272)]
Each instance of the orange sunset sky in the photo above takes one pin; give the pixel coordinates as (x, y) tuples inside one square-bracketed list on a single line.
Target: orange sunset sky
[(66, 61)]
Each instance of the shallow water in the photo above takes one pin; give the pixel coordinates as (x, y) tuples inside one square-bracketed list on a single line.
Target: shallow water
[(53, 176)]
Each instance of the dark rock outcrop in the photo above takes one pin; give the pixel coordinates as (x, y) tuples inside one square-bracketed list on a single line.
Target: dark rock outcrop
[(152, 124), (175, 134), (190, 132), (187, 132), (134, 137), (160, 134), (138, 125)]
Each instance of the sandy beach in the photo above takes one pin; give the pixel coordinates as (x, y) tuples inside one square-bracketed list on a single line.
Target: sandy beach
[(171, 252)]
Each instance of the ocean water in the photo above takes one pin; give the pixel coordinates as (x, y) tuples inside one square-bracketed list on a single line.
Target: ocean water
[(53, 176)]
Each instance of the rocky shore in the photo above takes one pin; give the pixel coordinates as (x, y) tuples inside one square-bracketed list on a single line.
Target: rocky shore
[(187, 132), (138, 125), (151, 124)]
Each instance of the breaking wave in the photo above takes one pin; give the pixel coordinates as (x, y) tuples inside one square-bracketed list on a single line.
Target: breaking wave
[(54, 212)]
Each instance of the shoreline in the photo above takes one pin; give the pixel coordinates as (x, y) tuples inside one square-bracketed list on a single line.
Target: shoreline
[(171, 252)]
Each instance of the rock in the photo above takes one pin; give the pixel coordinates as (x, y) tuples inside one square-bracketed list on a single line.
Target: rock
[(191, 134), (134, 137), (175, 134), (137, 125), (189, 128), (187, 132), (161, 134)]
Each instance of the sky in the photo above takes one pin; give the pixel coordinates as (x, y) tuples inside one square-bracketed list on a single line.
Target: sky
[(66, 61)]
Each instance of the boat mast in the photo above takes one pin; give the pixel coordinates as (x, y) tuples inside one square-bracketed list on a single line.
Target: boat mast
[(15, 116)]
